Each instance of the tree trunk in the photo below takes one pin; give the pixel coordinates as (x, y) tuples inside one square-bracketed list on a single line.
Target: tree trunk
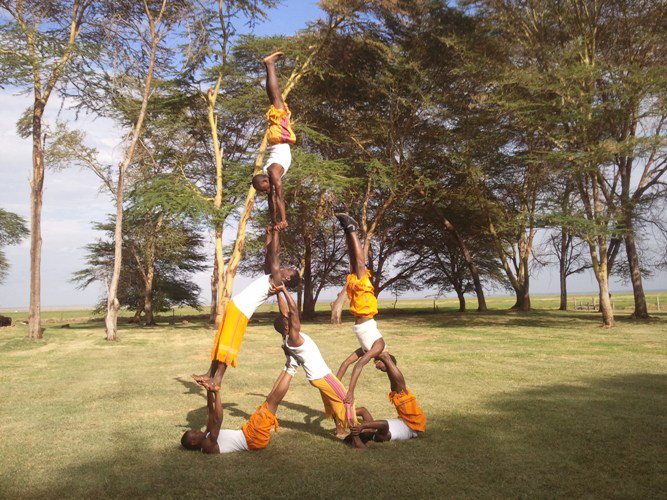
[(214, 292), (36, 191), (113, 306), (462, 301), (470, 262), (605, 302), (641, 311), (308, 289), (562, 272), (523, 291), (337, 307), (522, 299), (219, 268), (137, 314), (148, 297)]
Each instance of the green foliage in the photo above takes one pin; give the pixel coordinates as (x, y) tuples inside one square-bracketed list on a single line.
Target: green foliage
[(170, 246), (12, 230)]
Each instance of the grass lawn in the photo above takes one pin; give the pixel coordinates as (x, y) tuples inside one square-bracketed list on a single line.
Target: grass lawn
[(541, 404)]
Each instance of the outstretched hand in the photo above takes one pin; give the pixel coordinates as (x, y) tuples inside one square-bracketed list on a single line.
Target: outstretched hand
[(349, 398), (355, 430)]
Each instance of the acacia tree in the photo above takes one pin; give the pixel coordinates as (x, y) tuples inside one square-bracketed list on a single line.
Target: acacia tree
[(170, 252), (135, 36), (565, 89), (633, 46), (36, 44), (216, 23), (301, 65)]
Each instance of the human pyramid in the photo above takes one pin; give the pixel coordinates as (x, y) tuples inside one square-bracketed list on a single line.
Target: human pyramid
[(354, 425)]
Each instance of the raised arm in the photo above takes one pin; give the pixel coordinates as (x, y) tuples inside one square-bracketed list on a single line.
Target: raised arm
[(348, 361), (294, 333), (374, 351), (396, 379), (272, 256), (215, 416), (282, 305)]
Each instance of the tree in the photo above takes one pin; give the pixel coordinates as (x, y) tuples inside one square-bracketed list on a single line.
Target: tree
[(568, 87), (159, 261), (12, 231), (123, 76), (217, 23), (36, 45)]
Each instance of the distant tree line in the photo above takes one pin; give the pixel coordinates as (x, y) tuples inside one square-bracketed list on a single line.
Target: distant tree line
[(455, 134)]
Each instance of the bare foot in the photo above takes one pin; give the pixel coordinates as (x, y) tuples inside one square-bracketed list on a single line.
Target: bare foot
[(201, 377), (271, 58), (208, 383), (342, 434)]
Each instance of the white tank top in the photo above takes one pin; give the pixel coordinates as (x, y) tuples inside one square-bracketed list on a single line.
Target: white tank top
[(399, 430), (229, 441), (253, 296), (308, 356)]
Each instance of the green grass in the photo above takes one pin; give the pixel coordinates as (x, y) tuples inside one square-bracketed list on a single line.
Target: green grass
[(541, 404)]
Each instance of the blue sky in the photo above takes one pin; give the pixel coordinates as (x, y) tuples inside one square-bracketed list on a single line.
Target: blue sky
[(73, 200)]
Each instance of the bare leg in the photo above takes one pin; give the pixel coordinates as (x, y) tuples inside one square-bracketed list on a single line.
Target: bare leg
[(278, 393), (356, 254), (354, 248), (272, 86), (208, 374), (213, 383)]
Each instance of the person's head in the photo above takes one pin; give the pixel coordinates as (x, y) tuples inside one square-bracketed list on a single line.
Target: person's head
[(281, 324), (193, 439), (381, 360), (290, 277), (261, 183)]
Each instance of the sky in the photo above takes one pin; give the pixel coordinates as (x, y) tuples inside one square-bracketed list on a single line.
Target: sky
[(73, 200)]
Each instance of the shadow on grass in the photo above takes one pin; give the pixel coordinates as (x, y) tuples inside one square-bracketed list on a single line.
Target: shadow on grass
[(601, 437), (312, 419)]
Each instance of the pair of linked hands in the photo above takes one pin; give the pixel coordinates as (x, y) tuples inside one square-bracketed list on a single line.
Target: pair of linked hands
[(278, 226), (355, 430)]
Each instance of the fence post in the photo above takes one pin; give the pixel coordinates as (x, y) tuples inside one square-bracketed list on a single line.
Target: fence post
[(657, 302)]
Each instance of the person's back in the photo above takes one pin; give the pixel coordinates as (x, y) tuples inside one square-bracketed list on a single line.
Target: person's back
[(308, 356)]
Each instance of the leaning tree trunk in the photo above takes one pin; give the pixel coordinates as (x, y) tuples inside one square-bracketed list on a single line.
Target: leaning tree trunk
[(462, 301), (641, 310), (470, 262), (36, 192), (137, 314), (474, 272), (214, 291)]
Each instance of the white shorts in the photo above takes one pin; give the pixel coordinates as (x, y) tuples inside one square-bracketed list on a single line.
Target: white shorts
[(399, 430), (280, 154), (367, 333)]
